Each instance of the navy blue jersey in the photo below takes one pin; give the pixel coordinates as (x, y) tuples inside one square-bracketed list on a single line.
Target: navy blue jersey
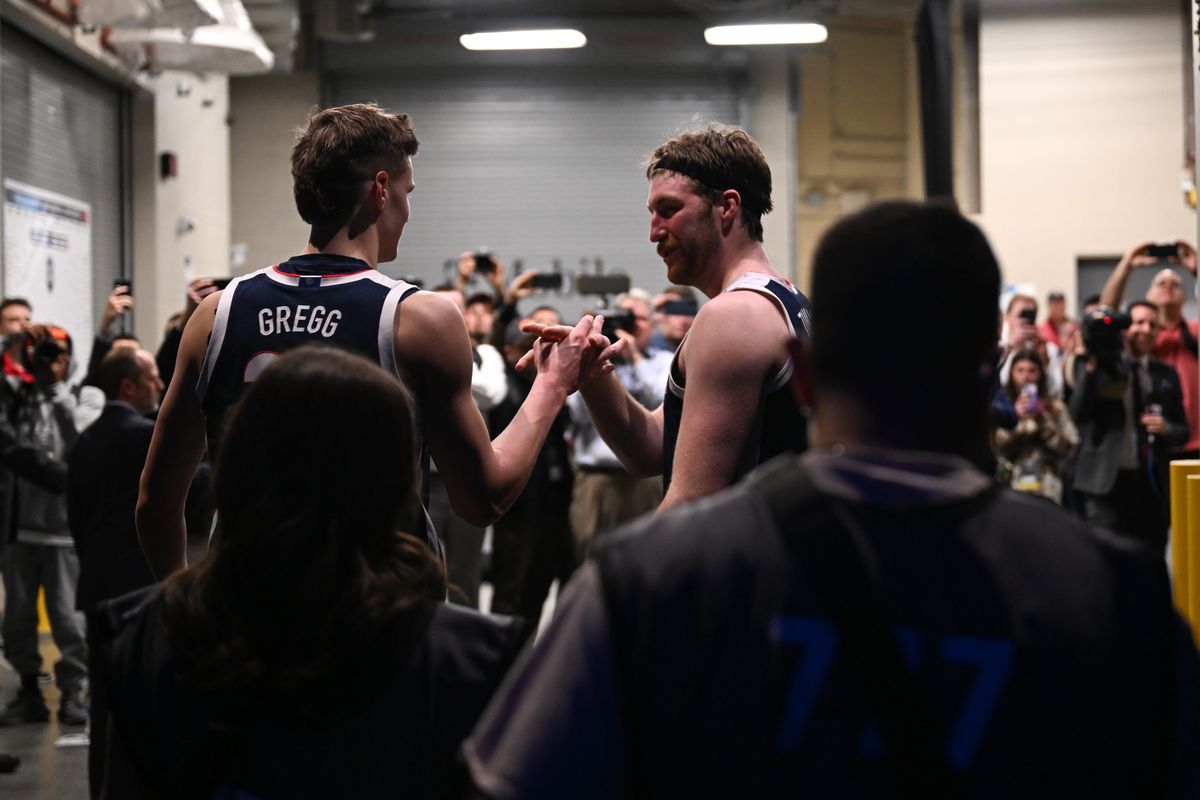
[(778, 425), (308, 299)]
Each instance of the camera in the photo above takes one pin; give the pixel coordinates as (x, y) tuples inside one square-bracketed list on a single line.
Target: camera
[(1029, 315), (618, 319), (39, 352), (484, 263), (1101, 330)]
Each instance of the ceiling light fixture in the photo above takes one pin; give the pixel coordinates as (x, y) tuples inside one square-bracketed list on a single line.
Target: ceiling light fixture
[(554, 39), (780, 33)]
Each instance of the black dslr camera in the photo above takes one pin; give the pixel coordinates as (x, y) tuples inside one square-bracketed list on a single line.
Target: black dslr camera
[(1102, 329), (42, 351), (618, 319)]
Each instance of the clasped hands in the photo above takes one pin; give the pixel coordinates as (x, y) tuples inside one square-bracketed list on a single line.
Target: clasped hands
[(575, 355)]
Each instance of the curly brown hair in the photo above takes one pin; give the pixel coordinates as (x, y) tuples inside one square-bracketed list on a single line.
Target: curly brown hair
[(340, 148)]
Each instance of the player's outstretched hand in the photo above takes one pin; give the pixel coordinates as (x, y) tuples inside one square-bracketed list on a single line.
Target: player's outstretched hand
[(574, 355)]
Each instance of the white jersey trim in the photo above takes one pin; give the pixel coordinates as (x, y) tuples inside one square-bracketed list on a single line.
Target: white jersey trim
[(217, 337), (387, 324), (752, 282)]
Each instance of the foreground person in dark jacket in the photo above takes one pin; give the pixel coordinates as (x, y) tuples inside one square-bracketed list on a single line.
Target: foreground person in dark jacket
[(309, 655)]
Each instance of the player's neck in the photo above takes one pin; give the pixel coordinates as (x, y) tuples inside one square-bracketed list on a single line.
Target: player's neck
[(749, 257), (364, 247)]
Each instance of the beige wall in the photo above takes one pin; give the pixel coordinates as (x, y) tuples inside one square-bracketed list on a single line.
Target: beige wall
[(773, 126), (265, 110), (1081, 131), (185, 116)]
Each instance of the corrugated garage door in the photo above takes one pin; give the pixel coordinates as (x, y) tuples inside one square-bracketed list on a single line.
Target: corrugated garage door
[(61, 132), (538, 166)]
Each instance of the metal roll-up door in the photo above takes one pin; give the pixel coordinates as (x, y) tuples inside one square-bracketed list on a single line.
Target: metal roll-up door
[(61, 135), (538, 166)]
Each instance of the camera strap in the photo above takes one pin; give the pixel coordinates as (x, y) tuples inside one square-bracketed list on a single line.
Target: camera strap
[(913, 759), (1189, 341)]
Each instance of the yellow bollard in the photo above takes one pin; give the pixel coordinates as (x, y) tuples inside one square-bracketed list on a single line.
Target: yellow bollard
[(1180, 562), (43, 617), (1191, 549)]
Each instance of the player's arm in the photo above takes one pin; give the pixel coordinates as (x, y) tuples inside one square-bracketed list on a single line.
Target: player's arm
[(175, 451), (482, 477), (634, 433), (734, 345), (1114, 287)]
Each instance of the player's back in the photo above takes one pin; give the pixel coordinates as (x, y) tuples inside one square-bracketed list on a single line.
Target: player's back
[(309, 299), (1049, 657)]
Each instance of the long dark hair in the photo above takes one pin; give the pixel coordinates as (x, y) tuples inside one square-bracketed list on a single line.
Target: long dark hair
[(315, 479), (1031, 356)]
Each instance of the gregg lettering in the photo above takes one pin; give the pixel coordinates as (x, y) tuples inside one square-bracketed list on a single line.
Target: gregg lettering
[(301, 319)]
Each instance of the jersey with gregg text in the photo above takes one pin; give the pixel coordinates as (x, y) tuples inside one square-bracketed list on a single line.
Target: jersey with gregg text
[(309, 299)]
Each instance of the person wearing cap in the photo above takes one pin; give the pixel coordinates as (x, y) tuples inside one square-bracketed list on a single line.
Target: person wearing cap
[(727, 407)]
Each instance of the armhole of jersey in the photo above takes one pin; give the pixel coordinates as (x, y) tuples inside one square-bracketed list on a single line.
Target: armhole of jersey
[(217, 337), (387, 324), (784, 374)]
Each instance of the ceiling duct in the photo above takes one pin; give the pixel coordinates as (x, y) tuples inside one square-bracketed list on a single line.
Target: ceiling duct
[(186, 14), (230, 47), (344, 21)]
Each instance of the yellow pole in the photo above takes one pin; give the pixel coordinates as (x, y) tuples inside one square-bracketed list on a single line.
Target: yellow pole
[(1180, 571), (1191, 549)]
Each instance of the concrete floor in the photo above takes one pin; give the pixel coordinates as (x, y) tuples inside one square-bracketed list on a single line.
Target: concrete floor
[(47, 772)]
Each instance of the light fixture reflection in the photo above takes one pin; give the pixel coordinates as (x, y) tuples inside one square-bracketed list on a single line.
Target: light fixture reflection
[(780, 33), (554, 39)]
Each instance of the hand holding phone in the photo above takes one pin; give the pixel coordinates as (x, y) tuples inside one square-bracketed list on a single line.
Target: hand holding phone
[(1163, 251)]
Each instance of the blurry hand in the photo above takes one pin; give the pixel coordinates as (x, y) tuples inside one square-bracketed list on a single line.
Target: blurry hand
[(119, 301)]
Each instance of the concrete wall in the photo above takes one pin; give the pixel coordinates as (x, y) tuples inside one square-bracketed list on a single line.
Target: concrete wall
[(181, 223), (264, 111), (1081, 135)]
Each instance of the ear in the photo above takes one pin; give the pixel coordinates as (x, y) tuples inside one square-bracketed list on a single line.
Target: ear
[(126, 388), (729, 206), (380, 185)]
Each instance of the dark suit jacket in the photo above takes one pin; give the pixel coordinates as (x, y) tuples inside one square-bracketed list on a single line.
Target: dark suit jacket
[(102, 489), (1102, 422)]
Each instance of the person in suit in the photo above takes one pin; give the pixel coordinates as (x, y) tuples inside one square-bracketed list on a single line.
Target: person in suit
[(1130, 416), (102, 490)]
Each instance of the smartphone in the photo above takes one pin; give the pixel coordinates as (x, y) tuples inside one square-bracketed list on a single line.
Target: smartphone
[(484, 262), (128, 284), (547, 280), (1029, 315), (1163, 251), (221, 283)]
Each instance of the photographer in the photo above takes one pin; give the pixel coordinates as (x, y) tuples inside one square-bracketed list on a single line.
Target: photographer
[(605, 494), (503, 310), (1129, 408), (48, 415), (1175, 342), (1020, 332)]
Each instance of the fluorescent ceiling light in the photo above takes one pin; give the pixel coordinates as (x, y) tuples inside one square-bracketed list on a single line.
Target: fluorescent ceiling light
[(523, 40), (789, 33)]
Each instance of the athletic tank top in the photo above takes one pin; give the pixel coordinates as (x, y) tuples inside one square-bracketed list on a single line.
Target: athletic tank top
[(778, 425), (309, 299)]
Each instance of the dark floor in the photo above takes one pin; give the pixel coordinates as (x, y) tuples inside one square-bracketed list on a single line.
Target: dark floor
[(47, 772)]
